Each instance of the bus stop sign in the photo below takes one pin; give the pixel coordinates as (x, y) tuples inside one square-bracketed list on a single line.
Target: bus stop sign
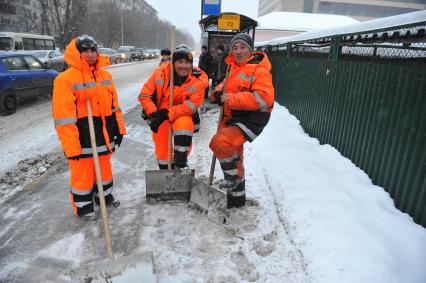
[(211, 7), (229, 22)]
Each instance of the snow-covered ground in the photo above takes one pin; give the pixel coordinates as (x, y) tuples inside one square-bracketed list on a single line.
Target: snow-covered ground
[(312, 216)]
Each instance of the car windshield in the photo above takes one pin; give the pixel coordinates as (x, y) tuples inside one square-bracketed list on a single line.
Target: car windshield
[(103, 51), (39, 54), (122, 50), (5, 43)]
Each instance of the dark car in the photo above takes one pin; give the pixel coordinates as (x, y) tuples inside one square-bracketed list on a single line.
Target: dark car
[(22, 76), (136, 53)]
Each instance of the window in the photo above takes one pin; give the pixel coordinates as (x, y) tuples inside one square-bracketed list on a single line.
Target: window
[(15, 63), (28, 43), (33, 63), (39, 44), (49, 44), (5, 21), (18, 45), (57, 53), (5, 43)]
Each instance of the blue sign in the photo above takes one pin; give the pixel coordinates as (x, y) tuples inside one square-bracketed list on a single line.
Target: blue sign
[(211, 7)]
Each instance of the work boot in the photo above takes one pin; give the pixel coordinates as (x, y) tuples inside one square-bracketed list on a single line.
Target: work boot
[(91, 216), (228, 185), (110, 201), (237, 196)]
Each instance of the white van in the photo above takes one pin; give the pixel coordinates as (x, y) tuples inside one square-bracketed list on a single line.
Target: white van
[(13, 41)]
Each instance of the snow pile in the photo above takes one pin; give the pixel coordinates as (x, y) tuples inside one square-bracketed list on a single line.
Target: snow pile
[(25, 172), (348, 229)]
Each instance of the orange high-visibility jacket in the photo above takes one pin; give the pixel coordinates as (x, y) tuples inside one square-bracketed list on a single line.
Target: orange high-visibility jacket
[(251, 94), (71, 89), (155, 93)]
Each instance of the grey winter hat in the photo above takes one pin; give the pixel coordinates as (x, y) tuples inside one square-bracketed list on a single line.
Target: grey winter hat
[(182, 52), (243, 38)]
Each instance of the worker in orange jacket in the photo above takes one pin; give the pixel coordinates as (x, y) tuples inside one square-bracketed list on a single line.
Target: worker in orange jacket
[(247, 96), (87, 80), (188, 95)]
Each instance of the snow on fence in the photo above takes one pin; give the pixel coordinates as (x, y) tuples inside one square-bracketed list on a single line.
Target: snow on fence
[(362, 89)]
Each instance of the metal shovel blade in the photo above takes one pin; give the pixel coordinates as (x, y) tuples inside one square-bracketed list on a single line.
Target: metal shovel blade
[(209, 201), (134, 268), (167, 185)]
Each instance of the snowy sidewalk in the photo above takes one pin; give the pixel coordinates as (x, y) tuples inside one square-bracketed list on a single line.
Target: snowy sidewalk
[(312, 216)]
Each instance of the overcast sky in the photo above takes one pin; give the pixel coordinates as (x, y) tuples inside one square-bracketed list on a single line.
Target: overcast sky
[(187, 13)]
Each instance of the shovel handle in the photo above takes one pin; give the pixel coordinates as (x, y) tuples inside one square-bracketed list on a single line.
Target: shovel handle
[(104, 212), (169, 143), (218, 127)]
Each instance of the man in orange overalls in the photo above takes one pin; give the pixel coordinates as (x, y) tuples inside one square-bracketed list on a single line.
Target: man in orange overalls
[(247, 104), (188, 95), (87, 80)]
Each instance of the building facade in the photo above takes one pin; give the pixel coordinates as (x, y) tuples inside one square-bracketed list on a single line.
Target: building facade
[(20, 16), (358, 9)]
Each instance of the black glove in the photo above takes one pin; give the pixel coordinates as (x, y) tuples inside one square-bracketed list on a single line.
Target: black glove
[(76, 158), (153, 115), (118, 140), (162, 115), (218, 96)]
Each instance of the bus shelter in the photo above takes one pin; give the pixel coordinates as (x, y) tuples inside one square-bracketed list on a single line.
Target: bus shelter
[(219, 29)]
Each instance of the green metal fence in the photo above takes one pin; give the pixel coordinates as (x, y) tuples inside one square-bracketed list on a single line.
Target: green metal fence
[(365, 94)]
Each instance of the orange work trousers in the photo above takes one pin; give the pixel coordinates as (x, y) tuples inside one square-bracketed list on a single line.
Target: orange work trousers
[(83, 182), (227, 146), (182, 132)]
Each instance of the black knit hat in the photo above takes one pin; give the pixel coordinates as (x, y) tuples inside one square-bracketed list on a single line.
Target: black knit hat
[(182, 52), (243, 38), (220, 47), (85, 42), (166, 51)]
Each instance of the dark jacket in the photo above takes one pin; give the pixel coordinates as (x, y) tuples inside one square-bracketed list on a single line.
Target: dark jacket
[(220, 67), (206, 64)]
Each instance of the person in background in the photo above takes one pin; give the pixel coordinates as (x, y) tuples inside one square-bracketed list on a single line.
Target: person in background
[(206, 64), (165, 56), (86, 79), (220, 64), (188, 95), (247, 100)]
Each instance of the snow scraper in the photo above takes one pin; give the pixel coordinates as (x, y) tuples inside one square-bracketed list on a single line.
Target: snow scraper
[(134, 268)]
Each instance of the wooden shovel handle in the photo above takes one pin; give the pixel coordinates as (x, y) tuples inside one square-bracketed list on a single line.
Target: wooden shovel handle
[(218, 126), (104, 212), (172, 48)]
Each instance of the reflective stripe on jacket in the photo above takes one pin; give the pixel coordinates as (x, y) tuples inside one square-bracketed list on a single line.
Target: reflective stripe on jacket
[(251, 94), (71, 89), (187, 97)]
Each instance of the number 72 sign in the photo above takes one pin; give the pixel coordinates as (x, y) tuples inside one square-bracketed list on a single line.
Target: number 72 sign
[(227, 22)]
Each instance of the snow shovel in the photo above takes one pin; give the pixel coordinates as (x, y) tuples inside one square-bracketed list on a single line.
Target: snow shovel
[(135, 268), (168, 185)]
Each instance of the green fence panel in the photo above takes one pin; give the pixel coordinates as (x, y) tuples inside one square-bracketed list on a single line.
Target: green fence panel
[(374, 113)]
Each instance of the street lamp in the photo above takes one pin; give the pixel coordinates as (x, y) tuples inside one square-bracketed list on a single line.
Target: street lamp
[(122, 34)]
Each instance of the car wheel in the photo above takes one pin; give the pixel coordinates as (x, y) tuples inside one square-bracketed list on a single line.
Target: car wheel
[(8, 103)]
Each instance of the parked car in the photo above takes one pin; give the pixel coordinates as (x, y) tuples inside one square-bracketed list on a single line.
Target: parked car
[(53, 59), (22, 76), (111, 53), (136, 53)]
